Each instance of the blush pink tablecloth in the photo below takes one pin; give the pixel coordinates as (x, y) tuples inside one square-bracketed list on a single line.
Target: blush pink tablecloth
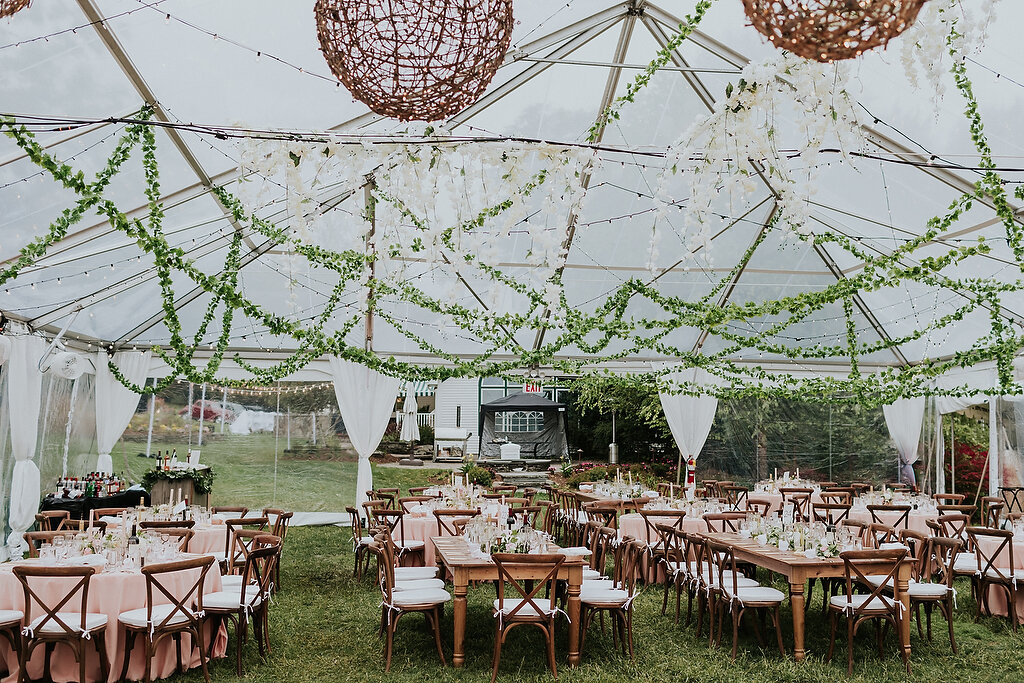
[(208, 538), (997, 596), (632, 524), (110, 594), (420, 528), (916, 520)]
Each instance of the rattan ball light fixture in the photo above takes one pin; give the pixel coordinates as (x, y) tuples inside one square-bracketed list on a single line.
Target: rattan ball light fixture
[(829, 30), (9, 7), (415, 60)]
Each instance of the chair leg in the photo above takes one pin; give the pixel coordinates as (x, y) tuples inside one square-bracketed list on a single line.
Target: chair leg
[(549, 636), (849, 647), (241, 630), (949, 621), (100, 640), (435, 621), (736, 614), (778, 630), (389, 643), (498, 636), (832, 637), (129, 642)]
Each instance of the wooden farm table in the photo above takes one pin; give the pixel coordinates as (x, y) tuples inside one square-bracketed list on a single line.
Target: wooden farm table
[(798, 569), (453, 553)]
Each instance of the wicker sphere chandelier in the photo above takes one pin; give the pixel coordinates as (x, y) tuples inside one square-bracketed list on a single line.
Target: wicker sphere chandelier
[(828, 30), (415, 60), (9, 7)]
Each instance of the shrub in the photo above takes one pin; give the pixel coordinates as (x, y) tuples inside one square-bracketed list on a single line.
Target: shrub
[(481, 476)]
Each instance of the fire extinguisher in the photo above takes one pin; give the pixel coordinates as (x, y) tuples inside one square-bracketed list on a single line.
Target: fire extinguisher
[(691, 472)]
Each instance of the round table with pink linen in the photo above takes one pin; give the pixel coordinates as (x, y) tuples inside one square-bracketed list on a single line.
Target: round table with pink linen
[(208, 538), (419, 527), (110, 593)]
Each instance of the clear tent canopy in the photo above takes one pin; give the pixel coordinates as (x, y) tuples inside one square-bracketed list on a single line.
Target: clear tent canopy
[(212, 71)]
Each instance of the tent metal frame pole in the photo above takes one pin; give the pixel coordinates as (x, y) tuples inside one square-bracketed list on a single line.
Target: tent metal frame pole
[(223, 408), (202, 414), (152, 414)]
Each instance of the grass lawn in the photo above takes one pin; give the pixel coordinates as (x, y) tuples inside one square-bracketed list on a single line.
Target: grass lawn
[(245, 469), (324, 628)]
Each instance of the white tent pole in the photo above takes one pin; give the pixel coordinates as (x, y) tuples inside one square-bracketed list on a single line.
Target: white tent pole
[(313, 416), (46, 420), (994, 445), (288, 429), (188, 414), (67, 429), (152, 412), (202, 414), (277, 412), (223, 408), (952, 455)]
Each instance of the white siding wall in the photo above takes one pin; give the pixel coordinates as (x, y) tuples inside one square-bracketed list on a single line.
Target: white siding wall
[(452, 394)]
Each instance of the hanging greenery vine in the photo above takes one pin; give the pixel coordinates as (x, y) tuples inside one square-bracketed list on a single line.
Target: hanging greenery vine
[(492, 191)]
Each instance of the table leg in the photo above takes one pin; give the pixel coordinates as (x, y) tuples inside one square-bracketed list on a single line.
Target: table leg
[(902, 583), (459, 617), (796, 601), (573, 607)]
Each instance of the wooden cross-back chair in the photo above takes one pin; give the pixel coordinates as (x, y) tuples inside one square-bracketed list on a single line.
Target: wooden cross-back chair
[(735, 496), (599, 512), (992, 511), (525, 606), (722, 522), (830, 513), (157, 525), (618, 600), (949, 498), (407, 503), (231, 560), (528, 514), (996, 569), (359, 543), (877, 605), (182, 613), (408, 549), (37, 538), (55, 624)]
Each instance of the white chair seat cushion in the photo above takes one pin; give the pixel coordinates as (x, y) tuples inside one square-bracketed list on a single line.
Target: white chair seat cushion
[(419, 584), (596, 584), (857, 601), (137, 617), (365, 540), (604, 596), (506, 606), (428, 596), (220, 556), (876, 580), (965, 562), (893, 546), (229, 599), (410, 545), (93, 621), (1003, 573), (741, 581), (414, 573), (927, 590), (591, 574), (10, 616), (756, 594)]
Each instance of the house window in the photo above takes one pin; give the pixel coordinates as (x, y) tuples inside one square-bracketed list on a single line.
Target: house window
[(519, 421)]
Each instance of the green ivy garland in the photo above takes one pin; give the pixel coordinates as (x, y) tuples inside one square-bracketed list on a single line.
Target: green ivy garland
[(594, 332), (202, 480)]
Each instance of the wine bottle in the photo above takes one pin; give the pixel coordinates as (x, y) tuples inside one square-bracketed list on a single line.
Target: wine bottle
[(134, 549)]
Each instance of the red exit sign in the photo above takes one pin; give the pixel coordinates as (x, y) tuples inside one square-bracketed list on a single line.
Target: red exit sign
[(533, 388)]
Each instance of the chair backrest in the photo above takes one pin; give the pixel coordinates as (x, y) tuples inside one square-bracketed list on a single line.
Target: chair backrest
[(542, 569), (422, 491), (761, 506), (860, 487), (837, 497), (896, 516), (941, 556), (40, 537), (53, 520), (168, 524), (721, 559), (391, 520), (604, 540), (666, 489), (107, 512), (407, 503), (710, 487), (259, 571), (370, 508), (671, 543), (51, 604), (735, 496), (356, 524), (184, 536), (968, 510), (388, 496), (528, 514), (446, 517), (954, 526), (860, 529), (278, 520), (949, 498), (240, 510), (801, 501), (722, 522), (597, 512), (233, 525), (652, 518), (991, 511), (994, 561), (918, 545), (881, 533), (849, 490), (504, 488), (858, 565), (830, 513), (548, 508), (170, 583)]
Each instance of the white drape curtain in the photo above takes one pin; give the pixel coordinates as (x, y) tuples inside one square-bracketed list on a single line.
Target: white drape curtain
[(366, 399), (115, 403), (410, 428), (904, 418), (689, 417), (24, 387)]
